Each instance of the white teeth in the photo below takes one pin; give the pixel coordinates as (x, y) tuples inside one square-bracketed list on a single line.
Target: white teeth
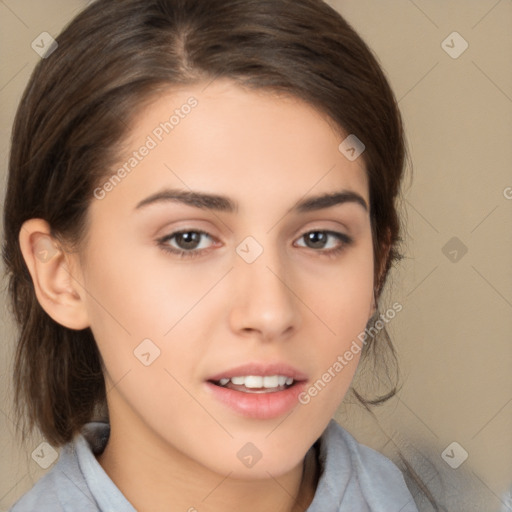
[(253, 381), (271, 381), (257, 381)]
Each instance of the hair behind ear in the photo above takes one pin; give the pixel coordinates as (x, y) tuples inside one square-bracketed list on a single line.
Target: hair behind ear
[(57, 372), (72, 373)]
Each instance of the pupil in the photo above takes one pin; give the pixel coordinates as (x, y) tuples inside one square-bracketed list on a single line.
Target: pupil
[(188, 240), (316, 239)]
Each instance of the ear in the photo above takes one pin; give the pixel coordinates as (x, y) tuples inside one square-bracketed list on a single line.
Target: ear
[(56, 287), (385, 248)]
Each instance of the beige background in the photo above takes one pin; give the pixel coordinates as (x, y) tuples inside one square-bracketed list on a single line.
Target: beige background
[(453, 335)]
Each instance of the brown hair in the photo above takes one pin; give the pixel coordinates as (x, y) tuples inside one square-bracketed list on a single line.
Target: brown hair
[(76, 109)]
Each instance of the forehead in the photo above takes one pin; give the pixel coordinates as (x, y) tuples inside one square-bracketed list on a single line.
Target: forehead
[(225, 139)]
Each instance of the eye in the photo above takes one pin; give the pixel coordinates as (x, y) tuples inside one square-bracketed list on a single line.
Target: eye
[(192, 243), (186, 243), (330, 242)]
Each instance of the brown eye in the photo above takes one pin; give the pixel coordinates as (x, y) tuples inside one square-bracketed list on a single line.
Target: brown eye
[(316, 239), (186, 243), (328, 242), (188, 240)]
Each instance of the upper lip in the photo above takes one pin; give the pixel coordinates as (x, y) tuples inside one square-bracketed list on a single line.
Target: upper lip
[(261, 369)]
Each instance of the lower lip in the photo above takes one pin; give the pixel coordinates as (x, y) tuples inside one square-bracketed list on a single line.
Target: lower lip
[(262, 406)]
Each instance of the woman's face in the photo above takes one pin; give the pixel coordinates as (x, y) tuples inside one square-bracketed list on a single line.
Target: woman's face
[(270, 275)]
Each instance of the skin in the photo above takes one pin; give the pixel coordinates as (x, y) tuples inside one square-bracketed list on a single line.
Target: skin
[(173, 446)]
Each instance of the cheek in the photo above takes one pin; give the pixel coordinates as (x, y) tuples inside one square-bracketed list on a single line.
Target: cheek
[(141, 291), (141, 303), (342, 294), (341, 300)]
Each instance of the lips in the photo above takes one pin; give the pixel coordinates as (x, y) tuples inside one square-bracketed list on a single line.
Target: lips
[(250, 400)]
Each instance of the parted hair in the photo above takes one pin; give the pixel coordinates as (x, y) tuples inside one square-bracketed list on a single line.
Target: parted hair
[(115, 56)]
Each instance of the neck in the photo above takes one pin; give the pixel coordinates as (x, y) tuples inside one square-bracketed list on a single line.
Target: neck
[(154, 483)]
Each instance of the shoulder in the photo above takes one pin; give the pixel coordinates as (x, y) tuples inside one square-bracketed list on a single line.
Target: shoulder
[(42, 496), (61, 489), (367, 473)]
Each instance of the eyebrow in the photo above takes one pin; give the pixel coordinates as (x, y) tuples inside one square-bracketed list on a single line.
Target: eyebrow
[(225, 204)]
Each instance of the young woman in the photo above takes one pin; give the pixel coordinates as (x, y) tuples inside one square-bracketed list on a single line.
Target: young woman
[(199, 221)]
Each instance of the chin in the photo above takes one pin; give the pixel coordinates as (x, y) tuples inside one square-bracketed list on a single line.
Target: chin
[(271, 459)]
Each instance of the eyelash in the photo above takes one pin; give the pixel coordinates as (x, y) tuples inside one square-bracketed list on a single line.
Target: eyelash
[(344, 240)]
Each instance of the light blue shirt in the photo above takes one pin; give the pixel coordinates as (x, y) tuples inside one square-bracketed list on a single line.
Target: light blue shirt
[(354, 478)]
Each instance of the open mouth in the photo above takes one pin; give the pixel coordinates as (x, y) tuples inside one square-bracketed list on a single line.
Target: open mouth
[(256, 383), (258, 391)]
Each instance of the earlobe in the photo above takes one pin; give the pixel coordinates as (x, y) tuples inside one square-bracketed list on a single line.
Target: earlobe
[(57, 290)]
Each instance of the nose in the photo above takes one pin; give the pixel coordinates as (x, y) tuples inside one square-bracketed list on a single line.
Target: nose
[(264, 303)]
